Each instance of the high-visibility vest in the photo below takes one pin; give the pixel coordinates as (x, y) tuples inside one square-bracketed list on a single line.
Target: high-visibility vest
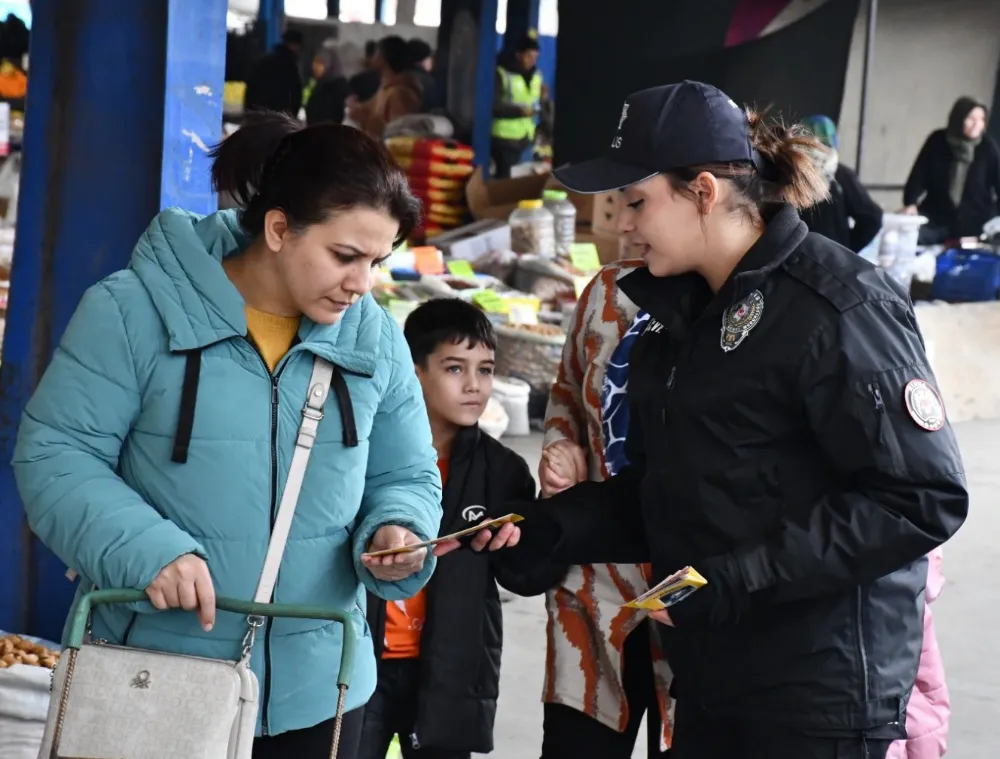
[(518, 92)]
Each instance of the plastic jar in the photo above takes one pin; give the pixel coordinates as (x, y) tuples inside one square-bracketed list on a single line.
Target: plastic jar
[(532, 229), (565, 219)]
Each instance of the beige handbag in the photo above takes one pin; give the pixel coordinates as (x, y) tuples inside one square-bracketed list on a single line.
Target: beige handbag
[(115, 702)]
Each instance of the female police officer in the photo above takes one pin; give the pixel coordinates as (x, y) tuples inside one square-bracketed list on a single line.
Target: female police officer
[(788, 441)]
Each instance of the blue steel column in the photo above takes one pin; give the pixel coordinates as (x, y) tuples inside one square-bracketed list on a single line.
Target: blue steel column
[(522, 17), (271, 16), (118, 92), (486, 63)]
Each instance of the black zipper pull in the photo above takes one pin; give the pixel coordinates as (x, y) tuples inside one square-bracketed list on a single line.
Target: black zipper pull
[(876, 393), (274, 391), (671, 378)]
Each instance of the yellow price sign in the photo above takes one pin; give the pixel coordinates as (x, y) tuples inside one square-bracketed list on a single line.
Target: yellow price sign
[(462, 269), (490, 301), (584, 256)]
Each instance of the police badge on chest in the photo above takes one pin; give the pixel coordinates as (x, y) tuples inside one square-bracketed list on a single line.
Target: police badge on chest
[(739, 319)]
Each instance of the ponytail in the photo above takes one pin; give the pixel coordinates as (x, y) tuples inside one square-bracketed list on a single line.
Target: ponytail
[(789, 173), (789, 153), (238, 162), (309, 173)]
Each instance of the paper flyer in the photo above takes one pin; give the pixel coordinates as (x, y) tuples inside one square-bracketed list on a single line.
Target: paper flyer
[(498, 522)]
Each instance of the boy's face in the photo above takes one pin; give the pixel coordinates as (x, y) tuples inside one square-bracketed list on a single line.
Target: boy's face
[(457, 381)]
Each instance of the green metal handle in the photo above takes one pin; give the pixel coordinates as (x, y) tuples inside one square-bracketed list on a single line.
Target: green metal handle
[(81, 611)]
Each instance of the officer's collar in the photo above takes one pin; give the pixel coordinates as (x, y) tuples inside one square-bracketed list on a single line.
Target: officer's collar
[(688, 296)]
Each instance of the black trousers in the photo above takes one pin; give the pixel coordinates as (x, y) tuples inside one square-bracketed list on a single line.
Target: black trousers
[(700, 735), (314, 742), (393, 710), (571, 734), (506, 154)]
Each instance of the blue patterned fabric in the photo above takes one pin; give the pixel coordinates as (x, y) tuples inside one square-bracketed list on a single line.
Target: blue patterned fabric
[(614, 400)]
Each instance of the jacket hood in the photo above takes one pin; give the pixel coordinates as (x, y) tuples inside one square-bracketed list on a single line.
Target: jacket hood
[(178, 259)]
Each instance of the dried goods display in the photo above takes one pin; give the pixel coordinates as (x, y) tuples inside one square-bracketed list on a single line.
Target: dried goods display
[(17, 650)]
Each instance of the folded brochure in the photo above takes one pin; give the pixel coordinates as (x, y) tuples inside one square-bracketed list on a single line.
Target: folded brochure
[(674, 589), (499, 521)]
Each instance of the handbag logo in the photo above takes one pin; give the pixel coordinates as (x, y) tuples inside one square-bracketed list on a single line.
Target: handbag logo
[(141, 680)]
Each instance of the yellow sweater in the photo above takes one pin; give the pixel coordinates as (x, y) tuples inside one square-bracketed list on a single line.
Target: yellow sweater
[(273, 335)]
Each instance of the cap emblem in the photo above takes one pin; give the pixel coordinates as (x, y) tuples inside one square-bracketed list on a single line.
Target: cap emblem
[(624, 116)]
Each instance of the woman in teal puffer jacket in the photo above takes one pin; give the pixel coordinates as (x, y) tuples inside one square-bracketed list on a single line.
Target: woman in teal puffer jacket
[(156, 447)]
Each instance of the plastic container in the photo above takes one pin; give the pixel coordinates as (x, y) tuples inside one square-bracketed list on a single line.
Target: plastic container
[(564, 213), (532, 229), (513, 395), (898, 245), (967, 276)]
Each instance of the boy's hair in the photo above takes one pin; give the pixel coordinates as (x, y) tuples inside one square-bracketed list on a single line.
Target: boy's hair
[(446, 320)]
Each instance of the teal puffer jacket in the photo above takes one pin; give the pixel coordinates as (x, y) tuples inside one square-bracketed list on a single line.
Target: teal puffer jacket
[(94, 469)]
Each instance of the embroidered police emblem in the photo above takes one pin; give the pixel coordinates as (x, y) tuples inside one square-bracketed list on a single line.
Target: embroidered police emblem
[(739, 319), (924, 405)]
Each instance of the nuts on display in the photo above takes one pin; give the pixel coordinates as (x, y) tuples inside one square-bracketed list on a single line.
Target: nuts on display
[(16, 650)]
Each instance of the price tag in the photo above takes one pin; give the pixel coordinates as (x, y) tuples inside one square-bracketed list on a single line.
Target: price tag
[(521, 311), (462, 269), (584, 256), (490, 301), (427, 260), (579, 284)]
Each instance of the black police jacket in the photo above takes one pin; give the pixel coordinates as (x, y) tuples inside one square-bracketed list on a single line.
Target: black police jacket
[(463, 632), (788, 442)]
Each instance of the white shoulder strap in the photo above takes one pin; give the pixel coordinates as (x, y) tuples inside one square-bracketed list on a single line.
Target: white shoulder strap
[(312, 413)]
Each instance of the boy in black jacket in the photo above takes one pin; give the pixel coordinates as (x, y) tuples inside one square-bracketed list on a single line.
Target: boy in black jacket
[(439, 652)]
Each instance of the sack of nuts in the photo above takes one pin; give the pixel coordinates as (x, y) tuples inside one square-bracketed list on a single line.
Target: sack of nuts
[(16, 650)]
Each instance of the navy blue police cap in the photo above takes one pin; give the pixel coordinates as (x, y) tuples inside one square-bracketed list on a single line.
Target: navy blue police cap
[(663, 129)]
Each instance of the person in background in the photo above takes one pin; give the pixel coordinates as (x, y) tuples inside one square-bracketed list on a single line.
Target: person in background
[(399, 93), (604, 668), (326, 94), (439, 667), (422, 66), (275, 83), (955, 181), (364, 84), (786, 440), (519, 98), (929, 710), (180, 382), (850, 216)]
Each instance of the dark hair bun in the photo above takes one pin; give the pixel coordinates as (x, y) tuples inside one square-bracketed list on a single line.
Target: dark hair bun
[(790, 152)]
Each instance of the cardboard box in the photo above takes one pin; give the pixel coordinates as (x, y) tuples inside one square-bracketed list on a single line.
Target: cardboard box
[(605, 217), (474, 240), (497, 198)]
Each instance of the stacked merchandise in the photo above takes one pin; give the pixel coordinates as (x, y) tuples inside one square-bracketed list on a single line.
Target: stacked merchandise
[(438, 171)]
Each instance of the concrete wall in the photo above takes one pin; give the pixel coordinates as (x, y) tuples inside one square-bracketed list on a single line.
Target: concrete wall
[(962, 347), (927, 53)]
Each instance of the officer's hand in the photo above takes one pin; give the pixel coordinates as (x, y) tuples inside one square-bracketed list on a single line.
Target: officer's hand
[(563, 464), (396, 566), (185, 583)]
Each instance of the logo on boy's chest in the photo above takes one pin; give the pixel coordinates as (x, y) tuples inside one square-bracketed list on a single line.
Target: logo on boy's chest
[(473, 513)]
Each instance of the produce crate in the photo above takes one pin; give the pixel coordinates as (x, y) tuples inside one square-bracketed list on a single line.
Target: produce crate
[(965, 276)]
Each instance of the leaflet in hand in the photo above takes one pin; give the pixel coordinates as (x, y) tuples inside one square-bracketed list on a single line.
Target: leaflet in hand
[(674, 589), (490, 525)]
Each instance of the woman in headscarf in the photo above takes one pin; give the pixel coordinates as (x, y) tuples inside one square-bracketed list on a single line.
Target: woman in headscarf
[(327, 91), (955, 181), (849, 201)]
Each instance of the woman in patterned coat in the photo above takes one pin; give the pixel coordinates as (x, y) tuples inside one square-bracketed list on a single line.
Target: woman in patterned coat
[(603, 670)]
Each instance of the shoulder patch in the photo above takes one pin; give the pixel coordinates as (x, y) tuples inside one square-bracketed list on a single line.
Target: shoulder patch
[(924, 405)]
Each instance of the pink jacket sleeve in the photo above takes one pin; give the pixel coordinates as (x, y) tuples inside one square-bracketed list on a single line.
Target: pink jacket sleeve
[(930, 707)]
